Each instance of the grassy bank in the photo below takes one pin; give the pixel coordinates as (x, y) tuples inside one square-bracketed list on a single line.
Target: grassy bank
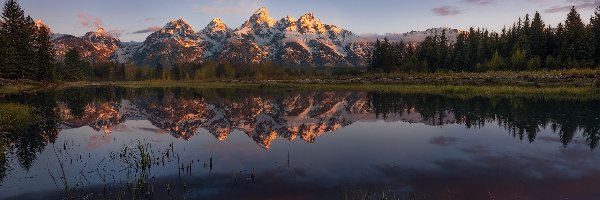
[(563, 84), (462, 91), (10, 89)]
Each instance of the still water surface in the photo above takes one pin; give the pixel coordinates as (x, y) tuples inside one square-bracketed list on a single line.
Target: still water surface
[(181, 143)]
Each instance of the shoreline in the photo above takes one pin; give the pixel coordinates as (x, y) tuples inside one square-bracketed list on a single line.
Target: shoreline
[(561, 84)]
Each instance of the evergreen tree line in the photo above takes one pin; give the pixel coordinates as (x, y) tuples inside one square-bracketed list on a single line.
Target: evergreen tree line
[(528, 45), (25, 48), (75, 68)]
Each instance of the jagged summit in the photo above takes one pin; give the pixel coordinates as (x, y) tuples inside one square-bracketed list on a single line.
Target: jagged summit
[(260, 18), (101, 36), (216, 25), (309, 24), (287, 23), (179, 24)]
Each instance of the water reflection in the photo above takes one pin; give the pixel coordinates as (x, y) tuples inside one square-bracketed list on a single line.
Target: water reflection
[(123, 116)]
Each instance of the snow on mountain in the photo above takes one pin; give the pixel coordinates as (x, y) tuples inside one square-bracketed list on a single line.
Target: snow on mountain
[(175, 43), (414, 36), (94, 46), (305, 41), (214, 34)]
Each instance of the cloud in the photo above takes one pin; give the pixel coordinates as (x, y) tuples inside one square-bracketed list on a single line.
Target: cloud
[(229, 7), (88, 21), (446, 10), (147, 30), (579, 4), (116, 33), (479, 2)]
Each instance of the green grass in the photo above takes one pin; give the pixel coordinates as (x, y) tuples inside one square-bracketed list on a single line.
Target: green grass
[(16, 116), (463, 91), (575, 84), (11, 89)]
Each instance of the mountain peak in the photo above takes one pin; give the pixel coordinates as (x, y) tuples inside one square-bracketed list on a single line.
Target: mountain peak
[(216, 25), (262, 11), (261, 16), (180, 23), (309, 24), (178, 27)]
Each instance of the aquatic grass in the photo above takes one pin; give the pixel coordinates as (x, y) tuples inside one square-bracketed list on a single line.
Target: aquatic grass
[(14, 116), (11, 89)]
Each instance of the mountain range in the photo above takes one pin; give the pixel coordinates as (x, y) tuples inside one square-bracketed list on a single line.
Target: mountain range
[(305, 41)]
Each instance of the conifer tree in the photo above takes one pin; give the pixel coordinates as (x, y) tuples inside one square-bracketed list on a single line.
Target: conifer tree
[(537, 37), (377, 54), (73, 66), (387, 60), (44, 54), (595, 30), (12, 30), (576, 45), (158, 71), (3, 41)]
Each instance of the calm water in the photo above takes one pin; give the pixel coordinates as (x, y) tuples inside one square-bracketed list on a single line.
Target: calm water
[(178, 143)]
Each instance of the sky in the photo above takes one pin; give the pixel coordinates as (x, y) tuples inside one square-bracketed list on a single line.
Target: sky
[(134, 20)]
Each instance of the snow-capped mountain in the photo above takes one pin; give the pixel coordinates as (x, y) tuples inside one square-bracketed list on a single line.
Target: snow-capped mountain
[(94, 46), (415, 36), (305, 41), (175, 43)]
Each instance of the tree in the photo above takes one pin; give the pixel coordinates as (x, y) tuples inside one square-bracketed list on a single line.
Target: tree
[(576, 45), (73, 66), (537, 36), (3, 55), (518, 60), (44, 54), (377, 56), (158, 71), (595, 30), (12, 31), (497, 62)]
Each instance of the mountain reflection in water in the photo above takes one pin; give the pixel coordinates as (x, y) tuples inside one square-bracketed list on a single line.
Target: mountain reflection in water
[(354, 143)]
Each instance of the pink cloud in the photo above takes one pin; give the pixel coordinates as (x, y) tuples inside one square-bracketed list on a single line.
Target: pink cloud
[(147, 30), (89, 21), (446, 11)]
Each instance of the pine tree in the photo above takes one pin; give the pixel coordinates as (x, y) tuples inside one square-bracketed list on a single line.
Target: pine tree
[(44, 54), (444, 50), (11, 29), (20, 34), (158, 71), (26, 47), (537, 37), (387, 60), (595, 30), (73, 66), (576, 45), (3, 44), (461, 55), (377, 56)]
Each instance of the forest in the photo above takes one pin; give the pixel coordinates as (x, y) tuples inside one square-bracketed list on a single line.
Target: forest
[(529, 44)]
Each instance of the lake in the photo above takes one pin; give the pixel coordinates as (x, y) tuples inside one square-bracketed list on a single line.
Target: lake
[(186, 143)]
